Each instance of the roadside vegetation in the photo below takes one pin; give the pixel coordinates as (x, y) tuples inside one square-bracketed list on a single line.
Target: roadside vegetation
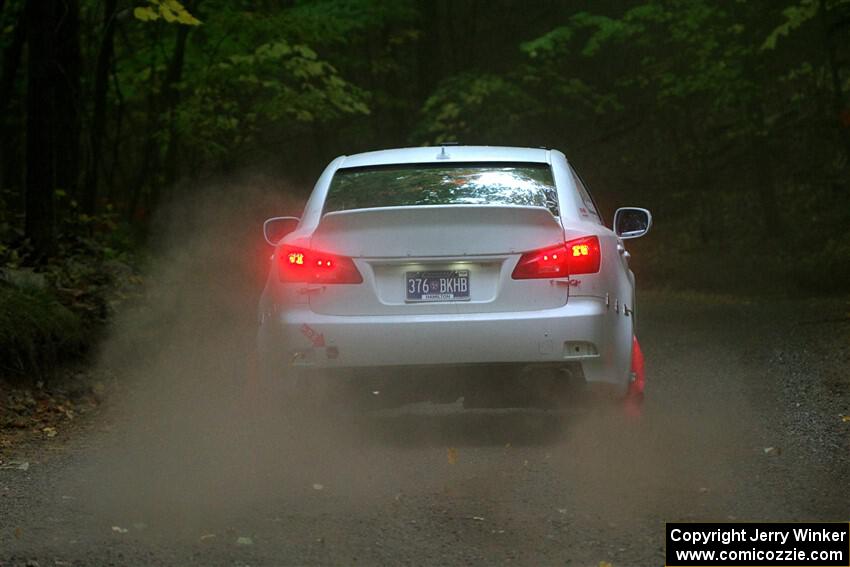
[(730, 121), (53, 312)]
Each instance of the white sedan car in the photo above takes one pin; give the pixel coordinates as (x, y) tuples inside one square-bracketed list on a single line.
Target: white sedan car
[(493, 260)]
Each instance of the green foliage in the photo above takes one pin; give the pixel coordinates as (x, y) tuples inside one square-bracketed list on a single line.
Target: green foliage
[(9, 19), (248, 76), (277, 85), (461, 108), (795, 16), (599, 30), (550, 42), (170, 11), (798, 15), (345, 22), (36, 331), (52, 314), (694, 79), (693, 50)]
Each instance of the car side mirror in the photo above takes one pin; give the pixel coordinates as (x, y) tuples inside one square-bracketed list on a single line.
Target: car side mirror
[(277, 227), (632, 222)]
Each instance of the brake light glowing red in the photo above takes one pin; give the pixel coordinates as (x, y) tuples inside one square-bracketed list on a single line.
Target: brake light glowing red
[(578, 256), (311, 266)]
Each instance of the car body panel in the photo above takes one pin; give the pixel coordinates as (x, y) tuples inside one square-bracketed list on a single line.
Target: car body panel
[(434, 339), (436, 230)]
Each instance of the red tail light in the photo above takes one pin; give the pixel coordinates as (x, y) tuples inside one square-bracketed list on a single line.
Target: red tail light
[(312, 266), (579, 256)]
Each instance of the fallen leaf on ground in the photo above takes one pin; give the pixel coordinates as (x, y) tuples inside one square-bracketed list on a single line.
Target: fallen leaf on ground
[(21, 466), (242, 540), (205, 537), (50, 431), (451, 455), (772, 451), (119, 530), (477, 518), (605, 564), (317, 486), (845, 418), (18, 533)]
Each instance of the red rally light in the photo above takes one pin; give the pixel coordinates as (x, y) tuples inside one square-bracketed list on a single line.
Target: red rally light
[(301, 265), (578, 256)]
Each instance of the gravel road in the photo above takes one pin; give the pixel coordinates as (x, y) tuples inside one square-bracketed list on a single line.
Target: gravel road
[(743, 420)]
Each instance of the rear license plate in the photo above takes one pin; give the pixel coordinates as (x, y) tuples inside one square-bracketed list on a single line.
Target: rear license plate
[(447, 285)]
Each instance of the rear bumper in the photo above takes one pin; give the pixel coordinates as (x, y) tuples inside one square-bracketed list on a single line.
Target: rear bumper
[(575, 332)]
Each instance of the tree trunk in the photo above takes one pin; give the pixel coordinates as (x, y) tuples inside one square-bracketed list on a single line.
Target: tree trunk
[(838, 103), (12, 59), (148, 163), (40, 172), (171, 96), (9, 121), (67, 95), (98, 126), (115, 161)]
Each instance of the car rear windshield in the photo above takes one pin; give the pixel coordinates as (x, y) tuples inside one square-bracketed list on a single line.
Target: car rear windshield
[(527, 184)]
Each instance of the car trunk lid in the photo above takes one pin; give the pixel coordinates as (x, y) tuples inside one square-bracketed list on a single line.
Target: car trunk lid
[(483, 242)]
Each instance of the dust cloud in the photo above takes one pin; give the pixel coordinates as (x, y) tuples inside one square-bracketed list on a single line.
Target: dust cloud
[(185, 421), (190, 446)]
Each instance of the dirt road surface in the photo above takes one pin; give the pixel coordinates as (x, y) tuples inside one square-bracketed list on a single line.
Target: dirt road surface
[(743, 421)]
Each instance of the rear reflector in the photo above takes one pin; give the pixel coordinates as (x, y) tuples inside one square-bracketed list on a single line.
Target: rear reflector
[(300, 265), (578, 256)]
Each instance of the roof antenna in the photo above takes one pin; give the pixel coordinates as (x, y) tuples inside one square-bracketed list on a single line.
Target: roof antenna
[(443, 154)]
